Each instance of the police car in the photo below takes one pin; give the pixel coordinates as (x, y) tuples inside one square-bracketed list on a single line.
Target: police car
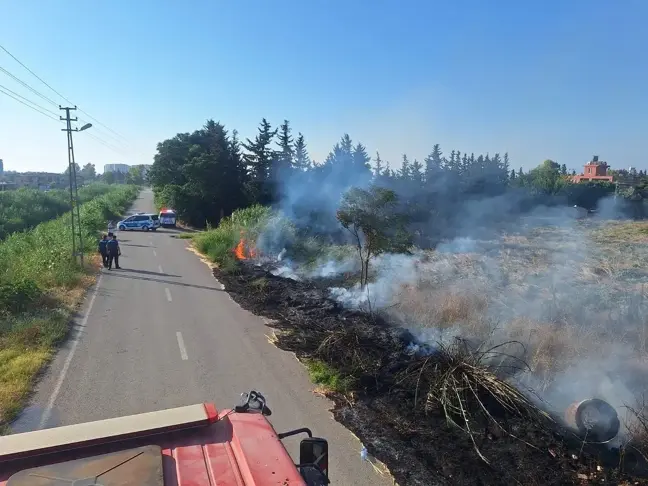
[(167, 217), (140, 221)]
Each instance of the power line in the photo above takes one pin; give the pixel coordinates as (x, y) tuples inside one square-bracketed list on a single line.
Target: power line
[(105, 126), (124, 139), (44, 111), (34, 74), (102, 132), (33, 90), (28, 87), (27, 105), (28, 100), (106, 144), (119, 138), (48, 113)]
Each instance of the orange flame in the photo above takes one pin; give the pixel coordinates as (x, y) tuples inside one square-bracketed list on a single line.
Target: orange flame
[(240, 249)]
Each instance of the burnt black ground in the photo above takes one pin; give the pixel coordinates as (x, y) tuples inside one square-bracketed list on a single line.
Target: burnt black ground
[(419, 448)]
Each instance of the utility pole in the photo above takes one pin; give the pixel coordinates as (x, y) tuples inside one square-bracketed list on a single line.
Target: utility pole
[(77, 239)]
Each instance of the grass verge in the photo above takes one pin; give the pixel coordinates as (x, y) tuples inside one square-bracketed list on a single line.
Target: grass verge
[(40, 287), (185, 236)]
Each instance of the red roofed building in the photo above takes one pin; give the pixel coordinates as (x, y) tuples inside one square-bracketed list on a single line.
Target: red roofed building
[(594, 170)]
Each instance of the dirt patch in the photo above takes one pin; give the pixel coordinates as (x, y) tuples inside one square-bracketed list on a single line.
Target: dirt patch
[(397, 410)]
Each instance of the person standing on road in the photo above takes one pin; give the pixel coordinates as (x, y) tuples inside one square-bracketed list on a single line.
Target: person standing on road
[(103, 250), (113, 252)]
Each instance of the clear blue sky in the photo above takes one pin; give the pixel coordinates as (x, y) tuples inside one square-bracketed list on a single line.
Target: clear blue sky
[(560, 79)]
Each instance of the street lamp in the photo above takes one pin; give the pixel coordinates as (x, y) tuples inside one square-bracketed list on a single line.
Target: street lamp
[(74, 194)]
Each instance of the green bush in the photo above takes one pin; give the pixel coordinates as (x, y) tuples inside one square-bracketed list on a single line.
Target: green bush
[(43, 255), (25, 208), (18, 296)]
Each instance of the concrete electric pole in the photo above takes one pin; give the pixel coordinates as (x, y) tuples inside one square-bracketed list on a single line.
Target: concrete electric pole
[(77, 238)]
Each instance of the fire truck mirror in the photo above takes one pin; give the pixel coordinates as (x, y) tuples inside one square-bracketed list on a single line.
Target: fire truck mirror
[(314, 450)]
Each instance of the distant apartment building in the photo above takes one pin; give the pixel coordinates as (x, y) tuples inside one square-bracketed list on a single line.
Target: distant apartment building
[(594, 170), (39, 180), (7, 186), (123, 168)]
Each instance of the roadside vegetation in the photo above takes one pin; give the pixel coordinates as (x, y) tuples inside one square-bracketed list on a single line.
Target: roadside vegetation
[(40, 287), (207, 174), (25, 208)]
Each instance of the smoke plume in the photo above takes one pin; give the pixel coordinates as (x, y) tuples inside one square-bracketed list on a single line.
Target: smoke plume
[(568, 302)]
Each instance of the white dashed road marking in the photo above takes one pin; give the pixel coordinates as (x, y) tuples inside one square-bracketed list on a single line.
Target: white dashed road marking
[(160, 269), (154, 253), (168, 293), (181, 345)]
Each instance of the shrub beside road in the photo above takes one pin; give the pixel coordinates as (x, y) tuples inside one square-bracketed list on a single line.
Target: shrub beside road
[(25, 208)]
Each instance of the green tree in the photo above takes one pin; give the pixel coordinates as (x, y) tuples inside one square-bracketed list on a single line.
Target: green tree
[(342, 154), (135, 175), (260, 156), (346, 147), (378, 166), (108, 177), (302, 160), (201, 175), (284, 160), (373, 219), (433, 164), (405, 172), (546, 178), (259, 159), (361, 160), (416, 171), (169, 161), (213, 176), (89, 172), (77, 169), (388, 172), (237, 161)]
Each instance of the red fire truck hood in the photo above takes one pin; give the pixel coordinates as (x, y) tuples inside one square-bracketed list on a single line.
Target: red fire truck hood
[(186, 446)]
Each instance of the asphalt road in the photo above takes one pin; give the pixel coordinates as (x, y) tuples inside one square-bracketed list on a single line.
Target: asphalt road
[(162, 333)]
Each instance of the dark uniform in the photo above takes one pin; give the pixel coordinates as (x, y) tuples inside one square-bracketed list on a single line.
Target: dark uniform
[(113, 252), (103, 250)]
